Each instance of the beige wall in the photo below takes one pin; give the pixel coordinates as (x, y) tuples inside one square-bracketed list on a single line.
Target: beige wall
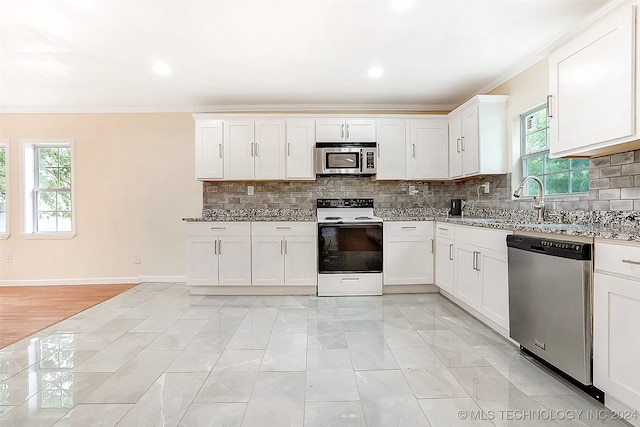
[(526, 91), (134, 182)]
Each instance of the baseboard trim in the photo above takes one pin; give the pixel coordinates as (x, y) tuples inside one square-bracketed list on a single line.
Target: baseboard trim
[(81, 281), (252, 290), (409, 289), (162, 279)]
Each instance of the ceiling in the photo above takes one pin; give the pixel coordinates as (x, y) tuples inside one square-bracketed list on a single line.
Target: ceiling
[(99, 55)]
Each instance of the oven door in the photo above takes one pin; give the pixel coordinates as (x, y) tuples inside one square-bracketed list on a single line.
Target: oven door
[(350, 248)]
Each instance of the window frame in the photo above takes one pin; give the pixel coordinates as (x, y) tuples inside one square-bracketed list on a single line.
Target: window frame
[(29, 193), (4, 144), (524, 157)]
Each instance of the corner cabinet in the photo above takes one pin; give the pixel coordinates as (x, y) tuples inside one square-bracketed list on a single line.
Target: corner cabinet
[(478, 137), (426, 150), (219, 253), (408, 253), (616, 343), (593, 101)]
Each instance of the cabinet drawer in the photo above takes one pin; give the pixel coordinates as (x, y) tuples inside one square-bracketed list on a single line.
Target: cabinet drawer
[(281, 228), (618, 258), (408, 229), (239, 229), (444, 230)]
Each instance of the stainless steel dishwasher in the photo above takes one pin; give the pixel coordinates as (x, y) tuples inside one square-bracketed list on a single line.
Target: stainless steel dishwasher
[(550, 304)]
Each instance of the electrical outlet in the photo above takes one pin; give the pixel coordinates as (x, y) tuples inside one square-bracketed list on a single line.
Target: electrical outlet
[(7, 258), (137, 259), (250, 190), (486, 187), (412, 190)]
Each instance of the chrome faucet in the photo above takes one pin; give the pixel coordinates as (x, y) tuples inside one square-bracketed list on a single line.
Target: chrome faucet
[(540, 205)]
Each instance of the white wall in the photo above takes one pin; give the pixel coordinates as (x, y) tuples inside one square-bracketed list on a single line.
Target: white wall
[(135, 181)]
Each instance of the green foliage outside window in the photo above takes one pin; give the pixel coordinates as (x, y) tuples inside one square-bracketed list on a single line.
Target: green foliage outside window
[(53, 189), (560, 176)]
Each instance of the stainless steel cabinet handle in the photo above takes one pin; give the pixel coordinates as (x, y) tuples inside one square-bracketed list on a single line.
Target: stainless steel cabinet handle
[(347, 131), (413, 148), (450, 251), (342, 131), (219, 247), (409, 227), (462, 144), (286, 247), (443, 229), (218, 228), (549, 105), (220, 150), (432, 246), (215, 247), (283, 228), (475, 260), (281, 247), (288, 149), (630, 261), (458, 145), (350, 279)]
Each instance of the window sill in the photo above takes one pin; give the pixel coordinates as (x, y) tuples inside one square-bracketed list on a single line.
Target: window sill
[(49, 236)]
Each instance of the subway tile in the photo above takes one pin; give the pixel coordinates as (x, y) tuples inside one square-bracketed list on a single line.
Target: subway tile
[(621, 205), (611, 171), (612, 193), (622, 158), (631, 169), (630, 193)]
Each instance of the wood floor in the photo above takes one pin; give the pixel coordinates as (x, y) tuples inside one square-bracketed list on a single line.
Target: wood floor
[(25, 310)]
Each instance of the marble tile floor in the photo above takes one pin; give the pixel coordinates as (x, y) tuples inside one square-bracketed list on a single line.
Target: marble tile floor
[(157, 356)]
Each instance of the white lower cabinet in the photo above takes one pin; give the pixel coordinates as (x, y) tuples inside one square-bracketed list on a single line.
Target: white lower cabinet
[(472, 268), (408, 253), (284, 253), (445, 247), (616, 341), (219, 253)]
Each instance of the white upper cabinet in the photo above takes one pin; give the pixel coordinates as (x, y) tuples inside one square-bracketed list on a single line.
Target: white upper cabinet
[(593, 102), (478, 137), (300, 148), (349, 130), (391, 138), (427, 148), (254, 149), (209, 150)]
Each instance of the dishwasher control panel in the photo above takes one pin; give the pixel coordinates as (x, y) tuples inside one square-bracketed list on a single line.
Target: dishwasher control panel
[(561, 245)]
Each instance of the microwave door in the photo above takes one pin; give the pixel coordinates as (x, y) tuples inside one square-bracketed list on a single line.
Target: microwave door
[(350, 160)]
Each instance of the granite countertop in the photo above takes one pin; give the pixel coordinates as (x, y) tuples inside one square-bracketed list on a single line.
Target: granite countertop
[(601, 224)]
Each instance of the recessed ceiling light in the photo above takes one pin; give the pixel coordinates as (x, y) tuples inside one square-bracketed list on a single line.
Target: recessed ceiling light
[(162, 69), (376, 72)]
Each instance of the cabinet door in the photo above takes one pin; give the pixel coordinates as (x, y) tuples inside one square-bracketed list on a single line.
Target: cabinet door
[(209, 149), (330, 130), (238, 149), (455, 146), (408, 262), (391, 135), (267, 260), (467, 287), (427, 155), (300, 149), (202, 261), (300, 261), (445, 266), (470, 140), (235, 261), (269, 149), (360, 130), (616, 345), (494, 286), (592, 83)]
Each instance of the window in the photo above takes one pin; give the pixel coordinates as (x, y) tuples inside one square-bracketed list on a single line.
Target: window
[(49, 190), (560, 176), (3, 188)]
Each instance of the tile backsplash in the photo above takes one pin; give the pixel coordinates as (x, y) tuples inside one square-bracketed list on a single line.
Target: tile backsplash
[(614, 183)]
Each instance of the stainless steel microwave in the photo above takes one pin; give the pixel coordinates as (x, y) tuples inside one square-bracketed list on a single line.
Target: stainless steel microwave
[(339, 158)]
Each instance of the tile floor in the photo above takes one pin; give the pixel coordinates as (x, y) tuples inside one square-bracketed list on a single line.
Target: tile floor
[(156, 356)]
